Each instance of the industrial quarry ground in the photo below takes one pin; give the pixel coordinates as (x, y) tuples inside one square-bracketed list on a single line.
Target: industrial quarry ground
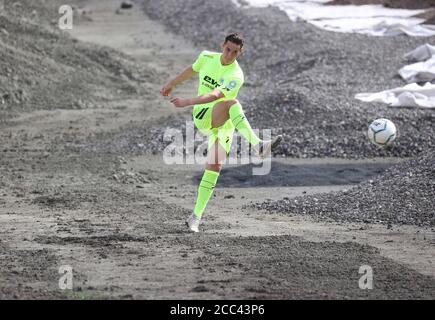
[(84, 183)]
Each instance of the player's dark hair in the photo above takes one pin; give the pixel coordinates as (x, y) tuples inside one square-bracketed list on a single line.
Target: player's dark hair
[(235, 38)]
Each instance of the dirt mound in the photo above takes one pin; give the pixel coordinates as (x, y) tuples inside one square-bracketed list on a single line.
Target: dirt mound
[(402, 195), (42, 67)]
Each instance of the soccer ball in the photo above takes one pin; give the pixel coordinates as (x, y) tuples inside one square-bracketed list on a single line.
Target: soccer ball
[(382, 132)]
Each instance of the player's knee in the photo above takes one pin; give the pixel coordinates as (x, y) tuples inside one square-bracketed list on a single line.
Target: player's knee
[(232, 102), (214, 167)]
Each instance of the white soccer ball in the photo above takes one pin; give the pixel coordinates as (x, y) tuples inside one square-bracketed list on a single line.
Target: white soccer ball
[(382, 132)]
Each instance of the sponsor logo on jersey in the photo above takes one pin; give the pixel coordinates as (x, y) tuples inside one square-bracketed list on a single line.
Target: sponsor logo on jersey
[(210, 82)]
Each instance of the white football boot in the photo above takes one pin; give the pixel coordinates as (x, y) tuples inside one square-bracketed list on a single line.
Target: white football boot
[(193, 223)]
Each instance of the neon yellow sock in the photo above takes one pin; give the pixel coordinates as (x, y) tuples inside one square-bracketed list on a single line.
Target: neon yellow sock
[(242, 124), (205, 190)]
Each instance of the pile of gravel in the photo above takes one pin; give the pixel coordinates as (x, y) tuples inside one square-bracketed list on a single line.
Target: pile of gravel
[(301, 80), (403, 194), (133, 141), (323, 131), (142, 138)]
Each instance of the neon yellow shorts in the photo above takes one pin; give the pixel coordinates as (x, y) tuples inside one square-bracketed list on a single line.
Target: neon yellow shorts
[(202, 118)]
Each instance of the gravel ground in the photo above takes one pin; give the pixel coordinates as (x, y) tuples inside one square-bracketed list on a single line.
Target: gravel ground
[(403, 194)]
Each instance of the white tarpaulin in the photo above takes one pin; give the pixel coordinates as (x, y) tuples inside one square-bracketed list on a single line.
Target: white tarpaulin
[(421, 53), (421, 71), (374, 20), (411, 95)]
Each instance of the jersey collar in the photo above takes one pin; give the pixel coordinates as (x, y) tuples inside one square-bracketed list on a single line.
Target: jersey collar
[(226, 65)]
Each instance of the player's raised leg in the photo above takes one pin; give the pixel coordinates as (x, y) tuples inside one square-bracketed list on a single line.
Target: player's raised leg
[(232, 109)]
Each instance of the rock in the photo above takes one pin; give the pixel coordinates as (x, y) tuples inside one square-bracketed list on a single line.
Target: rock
[(200, 289), (126, 5)]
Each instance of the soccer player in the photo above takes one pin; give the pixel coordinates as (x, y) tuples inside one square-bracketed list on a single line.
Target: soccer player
[(216, 113)]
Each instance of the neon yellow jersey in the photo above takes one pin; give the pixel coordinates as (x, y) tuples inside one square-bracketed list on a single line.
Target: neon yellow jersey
[(212, 74)]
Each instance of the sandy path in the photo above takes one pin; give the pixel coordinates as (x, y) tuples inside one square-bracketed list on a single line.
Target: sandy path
[(134, 34)]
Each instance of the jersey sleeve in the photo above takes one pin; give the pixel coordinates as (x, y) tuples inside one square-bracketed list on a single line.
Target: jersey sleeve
[(231, 87), (197, 65)]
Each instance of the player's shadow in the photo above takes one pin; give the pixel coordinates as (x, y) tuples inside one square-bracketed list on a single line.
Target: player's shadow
[(283, 175)]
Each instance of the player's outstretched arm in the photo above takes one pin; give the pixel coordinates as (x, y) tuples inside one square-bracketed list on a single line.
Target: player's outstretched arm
[(205, 98), (171, 84)]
